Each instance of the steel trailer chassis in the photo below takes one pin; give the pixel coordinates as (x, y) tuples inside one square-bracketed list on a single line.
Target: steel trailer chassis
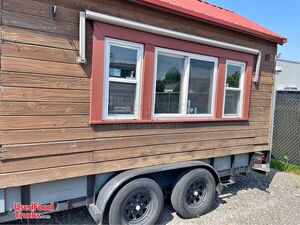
[(97, 198)]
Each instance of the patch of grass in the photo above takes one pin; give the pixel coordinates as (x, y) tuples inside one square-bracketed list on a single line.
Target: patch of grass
[(297, 185), (285, 166)]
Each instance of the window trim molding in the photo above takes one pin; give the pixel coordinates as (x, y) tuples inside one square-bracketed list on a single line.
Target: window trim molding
[(241, 88), (187, 56), (150, 41), (107, 79)]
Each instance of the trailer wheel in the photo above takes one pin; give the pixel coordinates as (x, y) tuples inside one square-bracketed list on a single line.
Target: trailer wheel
[(194, 193), (141, 201)]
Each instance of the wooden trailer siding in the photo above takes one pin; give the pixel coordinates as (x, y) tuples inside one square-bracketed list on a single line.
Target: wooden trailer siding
[(24, 151), (56, 148), (18, 35), (147, 148), (43, 67), (16, 79), (34, 22), (43, 108), (40, 122), (38, 52), (41, 10), (45, 96), (38, 136), (43, 175)]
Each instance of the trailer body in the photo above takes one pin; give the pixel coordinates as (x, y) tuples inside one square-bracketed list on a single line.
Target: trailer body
[(75, 115)]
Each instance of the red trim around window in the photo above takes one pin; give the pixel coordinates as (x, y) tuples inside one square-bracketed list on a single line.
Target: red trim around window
[(247, 89), (220, 88), (150, 41), (97, 77), (147, 82)]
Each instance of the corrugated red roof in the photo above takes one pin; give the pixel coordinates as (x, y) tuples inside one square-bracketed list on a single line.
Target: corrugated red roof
[(217, 15)]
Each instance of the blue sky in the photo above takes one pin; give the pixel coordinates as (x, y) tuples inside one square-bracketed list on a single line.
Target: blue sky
[(282, 17)]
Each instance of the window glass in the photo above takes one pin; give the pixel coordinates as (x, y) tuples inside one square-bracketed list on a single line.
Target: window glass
[(122, 81), (123, 62), (168, 84), (232, 102), (121, 98), (233, 88), (200, 87), (233, 76)]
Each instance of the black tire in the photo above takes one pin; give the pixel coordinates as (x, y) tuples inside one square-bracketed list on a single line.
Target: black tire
[(194, 193), (140, 202)]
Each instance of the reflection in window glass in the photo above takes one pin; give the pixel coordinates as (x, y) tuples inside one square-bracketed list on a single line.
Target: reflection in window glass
[(200, 87), (122, 62), (233, 76), (168, 83), (121, 98), (232, 102)]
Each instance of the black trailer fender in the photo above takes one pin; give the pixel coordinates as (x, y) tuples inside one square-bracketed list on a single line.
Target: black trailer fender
[(111, 186)]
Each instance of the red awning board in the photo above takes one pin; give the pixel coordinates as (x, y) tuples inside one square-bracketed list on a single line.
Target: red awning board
[(208, 12)]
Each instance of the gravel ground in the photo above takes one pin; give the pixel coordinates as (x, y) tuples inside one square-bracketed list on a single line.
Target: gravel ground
[(254, 199)]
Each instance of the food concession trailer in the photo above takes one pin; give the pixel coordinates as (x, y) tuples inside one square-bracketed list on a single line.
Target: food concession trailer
[(110, 104)]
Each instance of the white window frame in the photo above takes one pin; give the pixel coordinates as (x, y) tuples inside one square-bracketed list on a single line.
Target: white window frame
[(184, 84), (108, 79), (240, 89)]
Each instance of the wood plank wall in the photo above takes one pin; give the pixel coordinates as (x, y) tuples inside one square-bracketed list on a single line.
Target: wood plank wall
[(44, 130)]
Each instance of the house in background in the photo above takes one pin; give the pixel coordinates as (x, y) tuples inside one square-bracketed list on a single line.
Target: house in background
[(286, 142), (289, 77)]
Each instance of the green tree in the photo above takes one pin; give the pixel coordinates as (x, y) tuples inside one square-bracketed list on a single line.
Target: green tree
[(172, 76), (160, 86), (233, 80)]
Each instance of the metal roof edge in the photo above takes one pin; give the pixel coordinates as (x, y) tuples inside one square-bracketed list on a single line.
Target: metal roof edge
[(181, 11), (289, 61)]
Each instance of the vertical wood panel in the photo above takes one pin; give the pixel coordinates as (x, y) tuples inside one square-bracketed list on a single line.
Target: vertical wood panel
[(147, 82), (220, 88), (97, 77)]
